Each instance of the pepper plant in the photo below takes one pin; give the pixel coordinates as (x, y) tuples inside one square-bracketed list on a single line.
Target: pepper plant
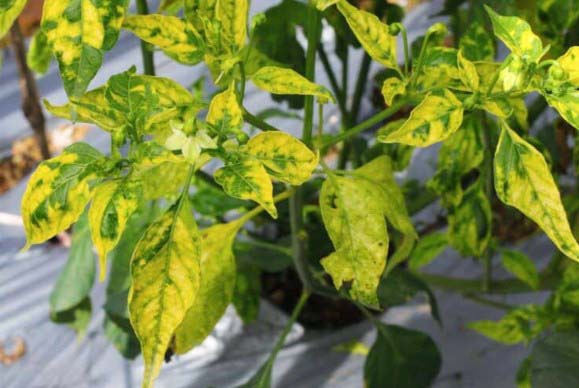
[(171, 280)]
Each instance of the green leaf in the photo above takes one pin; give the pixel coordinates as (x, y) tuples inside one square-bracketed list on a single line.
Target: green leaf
[(433, 120), (401, 358), (112, 205), (122, 337), (467, 72), (166, 277), (279, 80), (217, 265), (58, 192), (400, 286), (225, 114), (517, 35), (247, 291), (39, 55), (554, 361), (391, 88), (353, 212), (285, 157), (9, 12), (523, 180), (470, 223), (523, 377), (427, 249), (78, 33), (178, 39), (232, 14), (477, 44), (269, 256), (519, 325), (70, 298), (247, 179), (520, 265), (372, 34)]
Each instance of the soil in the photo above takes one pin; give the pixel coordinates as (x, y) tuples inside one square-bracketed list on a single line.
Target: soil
[(283, 289)]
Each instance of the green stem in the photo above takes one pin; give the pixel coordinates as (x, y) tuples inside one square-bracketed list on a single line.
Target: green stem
[(489, 302), (257, 122), (242, 83), (380, 327), (299, 236), (406, 50), (360, 87), (148, 61), (333, 80), (488, 177), (293, 318), (379, 117), (420, 61), (258, 209)]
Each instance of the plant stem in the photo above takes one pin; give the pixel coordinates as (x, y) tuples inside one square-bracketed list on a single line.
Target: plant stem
[(360, 87), (299, 237), (29, 91), (379, 117), (257, 122), (148, 60), (488, 177), (406, 50), (292, 320), (416, 72), (333, 80), (258, 209)]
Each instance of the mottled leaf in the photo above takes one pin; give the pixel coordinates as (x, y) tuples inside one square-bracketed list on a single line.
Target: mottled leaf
[(225, 114), (372, 34), (247, 179), (517, 35), (217, 265), (519, 325), (178, 39), (467, 72), (165, 280), (523, 180), (567, 104), (112, 205), (437, 117), (58, 192), (279, 80), (393, 87), (477, 44), (232, 14), (9, 12), (78, 32), (285, 157)]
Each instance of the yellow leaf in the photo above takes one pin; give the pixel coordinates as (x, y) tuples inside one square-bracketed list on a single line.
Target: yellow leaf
[(567, 105), (569, 62), (523, 180), (112, 205), (216, 288), (354, 216), (372, 34), (165, 280), (233, 17), (391, 88), (178, 39), (247, 179), (437, 117), (279, 80), (58, 192), (285, 157), (9, 11), (224, 112), (467, 72)]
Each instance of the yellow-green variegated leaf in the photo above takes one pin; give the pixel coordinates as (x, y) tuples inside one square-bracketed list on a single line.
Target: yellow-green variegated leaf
[(437, 117), (225, 113), (39, 55), (280, 80), (165, 276), (391, 88), (92, 108), (380, 172), (372, 34), (323, 4), (354, 216), (467, 72), (112, 205), (197, 11), (9, 11), (517, 35), (523, 180), (477, 44), (248, 179), (469, 223), (567, 104), (216, 288), (178, 39), (232, 14), (569, 63), (78, 32), (58, 192), (285, 157)]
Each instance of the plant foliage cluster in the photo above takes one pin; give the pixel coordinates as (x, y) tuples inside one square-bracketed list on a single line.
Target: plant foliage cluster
[(178, 258)]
